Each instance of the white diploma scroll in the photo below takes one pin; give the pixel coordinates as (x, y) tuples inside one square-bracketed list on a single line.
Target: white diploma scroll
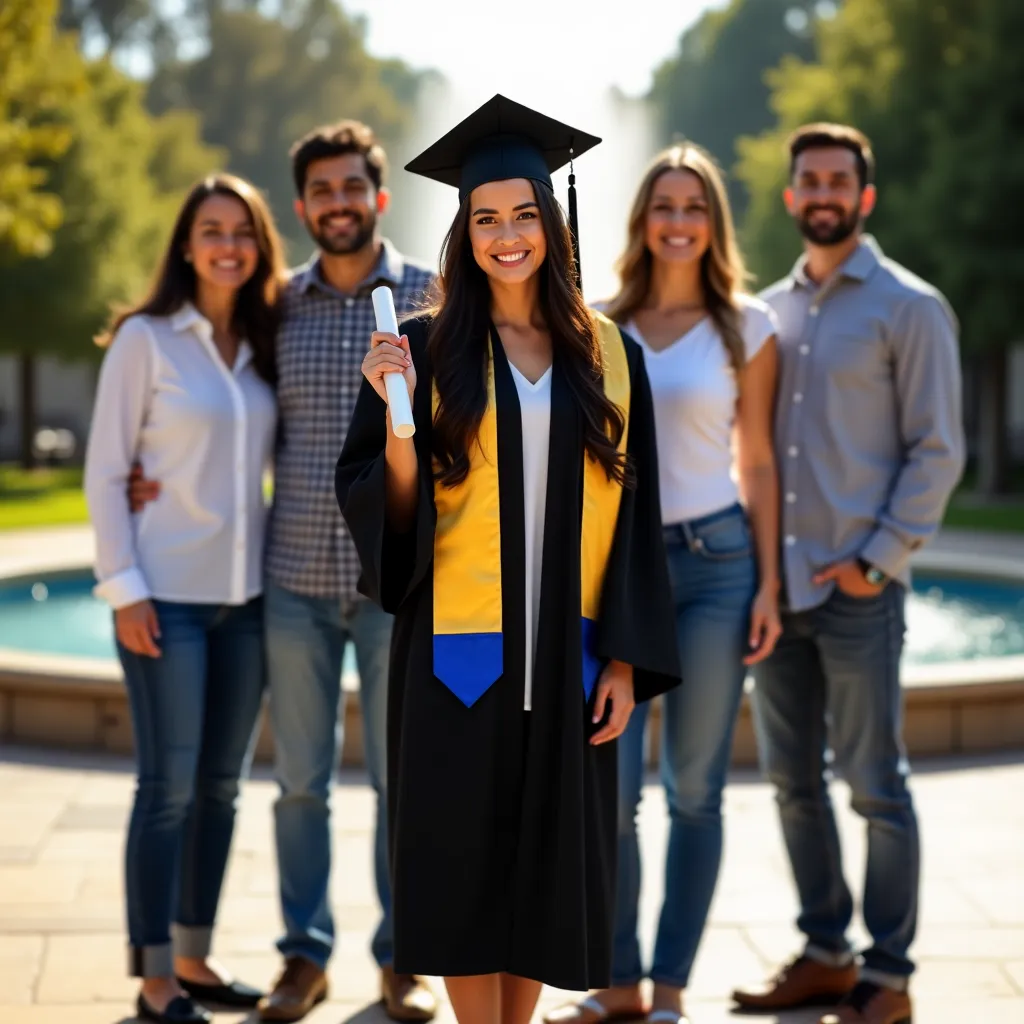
[(394, 382)]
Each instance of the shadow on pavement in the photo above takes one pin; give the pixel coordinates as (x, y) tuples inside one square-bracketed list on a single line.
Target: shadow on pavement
[(811, 1015), (371, 1014)]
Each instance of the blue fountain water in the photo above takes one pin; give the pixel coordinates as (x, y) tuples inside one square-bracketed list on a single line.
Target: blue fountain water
[(949, 618)]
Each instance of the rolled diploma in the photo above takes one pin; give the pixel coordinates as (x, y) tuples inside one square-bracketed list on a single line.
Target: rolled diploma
[(394, 382)]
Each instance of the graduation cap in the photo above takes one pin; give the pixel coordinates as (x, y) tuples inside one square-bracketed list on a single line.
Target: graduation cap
[(501, 140)]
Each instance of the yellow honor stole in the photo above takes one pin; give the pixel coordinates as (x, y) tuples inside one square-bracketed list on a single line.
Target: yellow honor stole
[(468, 643)]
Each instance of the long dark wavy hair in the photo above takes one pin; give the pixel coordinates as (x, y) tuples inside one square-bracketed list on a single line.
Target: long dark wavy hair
[(457, 346), (256, 314)]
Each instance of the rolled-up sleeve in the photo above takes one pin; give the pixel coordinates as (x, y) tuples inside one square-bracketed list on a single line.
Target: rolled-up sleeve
[(118, 414), (929, 395)]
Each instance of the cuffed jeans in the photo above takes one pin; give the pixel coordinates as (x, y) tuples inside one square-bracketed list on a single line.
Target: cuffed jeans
[(194, 712), (833, 681), (714, 579), (306, 638)]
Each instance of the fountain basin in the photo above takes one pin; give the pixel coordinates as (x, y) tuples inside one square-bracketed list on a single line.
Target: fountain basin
[(60, 682)]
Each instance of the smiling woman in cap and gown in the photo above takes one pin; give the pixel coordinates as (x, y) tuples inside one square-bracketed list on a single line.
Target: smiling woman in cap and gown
[(517, 539)]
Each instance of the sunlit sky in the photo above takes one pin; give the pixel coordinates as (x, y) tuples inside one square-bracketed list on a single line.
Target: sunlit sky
[(563, 57), (528, 46)]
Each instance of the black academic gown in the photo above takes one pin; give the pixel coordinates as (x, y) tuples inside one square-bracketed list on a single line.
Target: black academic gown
[(502, 822)]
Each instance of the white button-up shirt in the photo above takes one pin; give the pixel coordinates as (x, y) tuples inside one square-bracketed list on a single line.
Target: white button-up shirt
[(205, 431)]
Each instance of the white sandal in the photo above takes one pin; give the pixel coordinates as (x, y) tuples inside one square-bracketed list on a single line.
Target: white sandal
[(665, 1017), (595, 1006)]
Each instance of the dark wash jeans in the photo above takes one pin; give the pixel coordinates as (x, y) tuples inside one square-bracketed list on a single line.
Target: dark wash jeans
[(833, 683), (194, 711)]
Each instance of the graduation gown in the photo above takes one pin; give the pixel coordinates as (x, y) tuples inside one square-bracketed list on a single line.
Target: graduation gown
[(502, 822)]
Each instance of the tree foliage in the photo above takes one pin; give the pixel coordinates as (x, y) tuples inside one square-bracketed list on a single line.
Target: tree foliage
[(713, 90), (266, 81), (38, 69), (936, 86), (120, 182)]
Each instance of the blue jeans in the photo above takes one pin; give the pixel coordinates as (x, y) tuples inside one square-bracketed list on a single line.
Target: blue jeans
[(714, 579), (833, 681), (306, 638), (194, 712)]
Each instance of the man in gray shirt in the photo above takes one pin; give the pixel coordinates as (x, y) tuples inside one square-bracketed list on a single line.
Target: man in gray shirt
[(869, 444)]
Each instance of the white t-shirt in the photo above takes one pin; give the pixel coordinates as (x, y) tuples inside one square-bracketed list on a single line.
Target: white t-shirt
[(535, 409), (694, 389)]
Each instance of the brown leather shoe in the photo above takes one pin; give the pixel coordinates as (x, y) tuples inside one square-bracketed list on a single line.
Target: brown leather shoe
[(872, 1004), (803, 982), (302, 986), (406, 996)]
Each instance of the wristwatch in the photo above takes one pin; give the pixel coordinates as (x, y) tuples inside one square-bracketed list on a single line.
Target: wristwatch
[(872, 574)]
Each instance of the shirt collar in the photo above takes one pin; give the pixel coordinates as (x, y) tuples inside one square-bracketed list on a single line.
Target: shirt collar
[(188, 318), (390, 267), (859, 265)]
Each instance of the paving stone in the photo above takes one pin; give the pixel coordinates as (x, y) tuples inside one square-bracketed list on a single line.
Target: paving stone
[(935, 1009), (1000, 893), (1015, 972), (970, 979), (82, 1013), (66, 871), (85, 968), (94, 817), (17, 854), (33, 883), (55, 918), (67, 846), (21, 959), (725, 956)]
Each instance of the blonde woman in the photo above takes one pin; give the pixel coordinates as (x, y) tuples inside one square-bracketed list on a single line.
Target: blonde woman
[(711, 358)]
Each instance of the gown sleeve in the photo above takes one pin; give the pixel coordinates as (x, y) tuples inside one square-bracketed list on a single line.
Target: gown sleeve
[(393, 564), (637, 622)]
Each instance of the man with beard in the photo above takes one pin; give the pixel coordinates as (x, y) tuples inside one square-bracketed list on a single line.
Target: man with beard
[(312, 608), (869, 446)]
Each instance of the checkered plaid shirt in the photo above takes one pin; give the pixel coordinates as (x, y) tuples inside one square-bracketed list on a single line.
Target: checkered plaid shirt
[(323, 338)]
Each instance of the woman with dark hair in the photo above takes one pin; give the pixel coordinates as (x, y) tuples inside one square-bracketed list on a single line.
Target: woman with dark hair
[(186, 391), (710, 350), (516, 537)]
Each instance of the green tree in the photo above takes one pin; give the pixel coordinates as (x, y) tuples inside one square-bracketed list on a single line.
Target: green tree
[(120, 183), (963, 219), (266, 81), (851, 81), (935, 84), (713, 90), (112, 23), (37, 70)]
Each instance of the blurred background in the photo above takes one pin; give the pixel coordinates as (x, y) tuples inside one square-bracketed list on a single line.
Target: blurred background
[(110, 109)]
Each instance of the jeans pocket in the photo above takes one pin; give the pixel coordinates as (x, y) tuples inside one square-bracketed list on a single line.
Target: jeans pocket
[(863, 602), (725, 538)]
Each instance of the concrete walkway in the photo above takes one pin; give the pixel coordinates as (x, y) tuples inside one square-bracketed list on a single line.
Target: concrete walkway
[(62, 822)]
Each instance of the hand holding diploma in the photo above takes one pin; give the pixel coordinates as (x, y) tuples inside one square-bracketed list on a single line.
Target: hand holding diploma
[(388, 357)]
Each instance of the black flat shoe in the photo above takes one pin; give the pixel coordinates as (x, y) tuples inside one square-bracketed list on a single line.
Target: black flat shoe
[(180, 1010), (234, 994)]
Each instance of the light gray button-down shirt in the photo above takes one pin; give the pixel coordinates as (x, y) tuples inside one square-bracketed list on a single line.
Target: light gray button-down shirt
[(868, 426)]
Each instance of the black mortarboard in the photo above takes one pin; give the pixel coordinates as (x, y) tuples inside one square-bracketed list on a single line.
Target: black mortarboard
[(503, 139)]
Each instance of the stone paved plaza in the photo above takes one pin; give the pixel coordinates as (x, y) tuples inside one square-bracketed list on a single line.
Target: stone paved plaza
[(62, 819)]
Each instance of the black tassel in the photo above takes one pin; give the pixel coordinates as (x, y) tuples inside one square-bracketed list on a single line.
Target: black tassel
[(574, 224)]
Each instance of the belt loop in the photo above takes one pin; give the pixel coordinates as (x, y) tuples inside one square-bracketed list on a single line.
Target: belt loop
[(691, 540)]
